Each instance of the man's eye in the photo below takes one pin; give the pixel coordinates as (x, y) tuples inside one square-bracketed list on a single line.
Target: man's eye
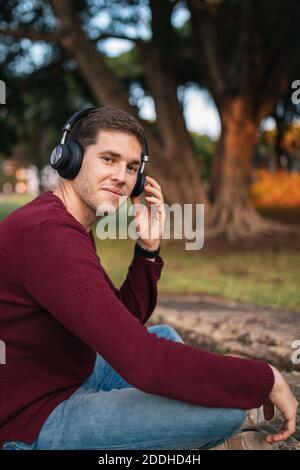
[(107, 159), (132, 169)]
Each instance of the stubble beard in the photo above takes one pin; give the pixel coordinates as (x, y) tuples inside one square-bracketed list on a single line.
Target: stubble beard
[(89, 197)]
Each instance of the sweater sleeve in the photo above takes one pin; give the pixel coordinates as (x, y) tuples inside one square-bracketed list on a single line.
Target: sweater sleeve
[(139, 290), (63, 276)]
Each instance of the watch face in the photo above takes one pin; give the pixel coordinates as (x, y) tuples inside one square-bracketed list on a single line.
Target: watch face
[(56, 155)]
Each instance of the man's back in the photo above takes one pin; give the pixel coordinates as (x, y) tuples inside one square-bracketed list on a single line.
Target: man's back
[(45, 362)]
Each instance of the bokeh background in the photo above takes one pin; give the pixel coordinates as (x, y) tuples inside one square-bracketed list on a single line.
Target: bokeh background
[(212, 83)]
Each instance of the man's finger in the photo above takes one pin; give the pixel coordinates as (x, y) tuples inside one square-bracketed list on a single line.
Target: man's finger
[(153, 182), (291, 425), (288, 428), (153, 199), (154, 191)]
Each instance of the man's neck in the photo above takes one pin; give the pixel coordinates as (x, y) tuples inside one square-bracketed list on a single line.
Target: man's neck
[(75, 206)]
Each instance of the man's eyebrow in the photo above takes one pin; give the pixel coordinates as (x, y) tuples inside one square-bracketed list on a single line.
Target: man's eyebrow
[(117, 155)]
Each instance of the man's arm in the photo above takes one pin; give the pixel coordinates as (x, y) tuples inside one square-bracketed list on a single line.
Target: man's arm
[(63, 277), (138, 292)]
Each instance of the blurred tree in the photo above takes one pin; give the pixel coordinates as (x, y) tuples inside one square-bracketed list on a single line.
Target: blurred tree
[(205, 149), (30, 126), (174, 163), (240, 49), (246, 52)]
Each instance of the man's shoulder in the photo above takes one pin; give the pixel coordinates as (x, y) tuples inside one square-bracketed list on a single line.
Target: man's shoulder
[(44, 214)]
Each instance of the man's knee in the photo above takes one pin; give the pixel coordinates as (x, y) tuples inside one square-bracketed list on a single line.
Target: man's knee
[(234, 421), (229, 422), (166, 331)]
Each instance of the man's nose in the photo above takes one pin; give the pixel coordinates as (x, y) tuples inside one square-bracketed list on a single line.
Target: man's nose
[(119, 174)]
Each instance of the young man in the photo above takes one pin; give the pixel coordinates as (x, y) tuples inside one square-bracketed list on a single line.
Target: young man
[(82, 370)]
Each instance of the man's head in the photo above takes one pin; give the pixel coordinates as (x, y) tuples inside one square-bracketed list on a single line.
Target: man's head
[(112, 141)]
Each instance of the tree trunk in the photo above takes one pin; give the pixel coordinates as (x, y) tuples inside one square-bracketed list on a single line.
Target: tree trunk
[(175, 142), (233, 216)]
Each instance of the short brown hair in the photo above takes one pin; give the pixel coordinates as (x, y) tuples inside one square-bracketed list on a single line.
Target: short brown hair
[(85, 130)]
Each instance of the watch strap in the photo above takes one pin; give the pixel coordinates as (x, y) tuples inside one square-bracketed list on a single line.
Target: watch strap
[(138, 250)]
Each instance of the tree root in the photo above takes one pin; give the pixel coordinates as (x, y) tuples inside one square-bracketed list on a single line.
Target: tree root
[(238, 222)]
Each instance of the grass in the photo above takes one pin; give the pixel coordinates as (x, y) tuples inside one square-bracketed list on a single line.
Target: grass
[(268, 279), (12, 202), (271, 279)]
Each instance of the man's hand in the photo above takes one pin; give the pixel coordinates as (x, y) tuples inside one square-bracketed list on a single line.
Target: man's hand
[(150, 228), (282, 397)]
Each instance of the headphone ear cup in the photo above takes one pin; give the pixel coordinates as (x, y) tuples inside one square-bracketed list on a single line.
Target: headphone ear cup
[(139, 185), (60, 157), (74, 162)]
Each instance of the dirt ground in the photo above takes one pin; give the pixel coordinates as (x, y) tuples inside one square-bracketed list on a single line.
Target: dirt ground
[(237, 328)]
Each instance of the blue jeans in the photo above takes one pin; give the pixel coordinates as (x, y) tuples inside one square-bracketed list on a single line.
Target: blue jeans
[(108, 413)]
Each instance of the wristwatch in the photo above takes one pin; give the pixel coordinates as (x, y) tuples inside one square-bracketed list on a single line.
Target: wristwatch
[(138, 250)]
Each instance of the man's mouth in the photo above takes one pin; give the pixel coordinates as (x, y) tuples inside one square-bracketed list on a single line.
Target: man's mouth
[(113, 191)]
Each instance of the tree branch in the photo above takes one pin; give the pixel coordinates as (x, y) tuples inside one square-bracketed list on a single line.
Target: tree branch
[(102, 80), (276, 83), (30, 34), (207, 47), (280, 68), (247, 67)]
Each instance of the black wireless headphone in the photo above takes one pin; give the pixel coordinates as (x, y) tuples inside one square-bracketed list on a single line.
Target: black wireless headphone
[(67, 157)]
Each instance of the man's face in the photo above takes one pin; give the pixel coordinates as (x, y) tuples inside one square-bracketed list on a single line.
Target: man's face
[(111, 164)]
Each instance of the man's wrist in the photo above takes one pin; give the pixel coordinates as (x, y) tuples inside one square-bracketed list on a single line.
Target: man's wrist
[(145, 252), (146, 247), (279, 381)]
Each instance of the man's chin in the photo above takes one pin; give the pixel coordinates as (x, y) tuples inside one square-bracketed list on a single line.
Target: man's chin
[(106, 208), (109, 207)]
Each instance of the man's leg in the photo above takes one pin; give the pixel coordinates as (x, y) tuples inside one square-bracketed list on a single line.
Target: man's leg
[(119, 416), (132, 419), (104, 377)]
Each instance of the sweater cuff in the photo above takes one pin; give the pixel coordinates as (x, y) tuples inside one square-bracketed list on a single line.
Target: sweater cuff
[(264, 381), (154, 267)]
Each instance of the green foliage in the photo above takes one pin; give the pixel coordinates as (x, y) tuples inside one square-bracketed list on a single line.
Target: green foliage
[(37, 108), (126, 65), (205, 148)]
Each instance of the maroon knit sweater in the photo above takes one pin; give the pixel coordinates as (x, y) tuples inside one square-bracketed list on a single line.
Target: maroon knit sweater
[(58, 308)]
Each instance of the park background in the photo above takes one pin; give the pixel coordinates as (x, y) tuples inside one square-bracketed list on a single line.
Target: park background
[(212, 83)]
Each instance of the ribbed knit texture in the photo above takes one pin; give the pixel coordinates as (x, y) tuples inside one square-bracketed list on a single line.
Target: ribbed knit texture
[(58, 307)]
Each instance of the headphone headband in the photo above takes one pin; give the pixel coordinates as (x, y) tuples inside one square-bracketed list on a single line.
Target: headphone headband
[(72, 120)]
